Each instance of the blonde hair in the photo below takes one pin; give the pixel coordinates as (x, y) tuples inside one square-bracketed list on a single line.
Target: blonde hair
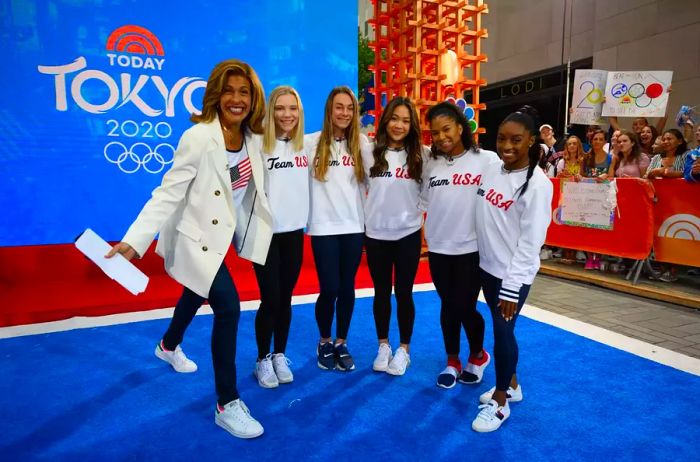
[(215, 86), (352, 135), (580, 154), (269, 136)]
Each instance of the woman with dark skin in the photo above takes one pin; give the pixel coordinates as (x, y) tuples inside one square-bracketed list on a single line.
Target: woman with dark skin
[(513, 212)]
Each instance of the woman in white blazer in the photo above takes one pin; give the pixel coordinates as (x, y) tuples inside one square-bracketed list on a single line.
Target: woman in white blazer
[(214, 189)]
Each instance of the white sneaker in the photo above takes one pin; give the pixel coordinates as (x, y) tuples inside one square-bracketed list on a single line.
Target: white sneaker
[(580, 256), (281, 365), (265, 372), (545, 254), (513, 395), (176, 358), (235, 418), (490, 417), (381, 362), (399, 363)]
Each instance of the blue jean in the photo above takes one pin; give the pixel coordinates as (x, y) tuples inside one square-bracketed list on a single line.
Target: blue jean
[(337, 258), (505, 348), (224, 302)]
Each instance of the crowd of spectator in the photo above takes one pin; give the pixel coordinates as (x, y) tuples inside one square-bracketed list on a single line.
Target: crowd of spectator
[(646, 151)]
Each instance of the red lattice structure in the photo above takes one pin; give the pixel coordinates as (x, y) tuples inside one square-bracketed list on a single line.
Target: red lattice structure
[(416, 41)]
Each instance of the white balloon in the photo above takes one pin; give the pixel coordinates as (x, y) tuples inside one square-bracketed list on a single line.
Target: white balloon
[(449, 66)]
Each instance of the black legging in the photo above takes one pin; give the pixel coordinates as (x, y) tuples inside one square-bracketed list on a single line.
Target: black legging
[(386, 259), (224, 302), (276, 280), (337, 258), (457, 281)]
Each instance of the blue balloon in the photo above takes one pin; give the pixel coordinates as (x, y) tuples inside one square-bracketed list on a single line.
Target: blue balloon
[(469, 112)]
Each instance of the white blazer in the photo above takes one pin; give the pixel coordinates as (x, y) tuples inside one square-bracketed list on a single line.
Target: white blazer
[(194, 212)]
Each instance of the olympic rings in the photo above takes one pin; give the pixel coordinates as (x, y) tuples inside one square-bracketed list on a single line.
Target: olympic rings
[(139, 155)]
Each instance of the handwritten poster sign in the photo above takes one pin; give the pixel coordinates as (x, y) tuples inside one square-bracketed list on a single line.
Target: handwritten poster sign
[(587, 203), (637, 94), (587, 102)]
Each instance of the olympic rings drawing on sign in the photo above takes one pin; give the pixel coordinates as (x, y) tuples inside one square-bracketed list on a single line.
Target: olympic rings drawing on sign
[(139, 155), (639, 94)]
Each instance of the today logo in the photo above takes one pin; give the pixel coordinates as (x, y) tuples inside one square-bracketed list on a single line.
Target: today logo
[(131, 47)]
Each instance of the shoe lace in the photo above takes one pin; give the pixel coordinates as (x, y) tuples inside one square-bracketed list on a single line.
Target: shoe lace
[(266, 366), (179, 356), (487, 412), (384, 350), (280, 359)]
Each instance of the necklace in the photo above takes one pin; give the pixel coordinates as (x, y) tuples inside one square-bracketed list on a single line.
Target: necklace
[(451, 159), (232, 141)]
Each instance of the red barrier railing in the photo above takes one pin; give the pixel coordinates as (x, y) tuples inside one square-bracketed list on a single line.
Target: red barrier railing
[(633, 226)]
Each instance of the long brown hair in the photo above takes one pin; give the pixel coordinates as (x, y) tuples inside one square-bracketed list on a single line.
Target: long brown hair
[(412, 142), (215, 86), (636, 152), (352, 136), (590, 157)]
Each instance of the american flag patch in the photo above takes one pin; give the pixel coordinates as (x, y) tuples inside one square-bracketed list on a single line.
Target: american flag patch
[(240, 174)]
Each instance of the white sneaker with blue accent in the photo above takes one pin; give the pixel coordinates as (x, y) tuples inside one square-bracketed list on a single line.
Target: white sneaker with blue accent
[(513, 395), (235, 418), (490, 417)]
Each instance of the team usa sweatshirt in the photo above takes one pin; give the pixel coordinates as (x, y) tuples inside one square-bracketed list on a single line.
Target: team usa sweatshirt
[(449, 197), (392, 207), (287, 186), (336, 204), (510, 228)]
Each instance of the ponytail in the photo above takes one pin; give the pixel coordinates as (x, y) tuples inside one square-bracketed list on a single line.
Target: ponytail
[(528, 117), (533, 155)]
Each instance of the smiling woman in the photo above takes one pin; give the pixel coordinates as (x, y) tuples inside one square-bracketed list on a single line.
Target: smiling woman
[(336, 222), (451, 178), (510, 232), (393, 219), (203, 203)]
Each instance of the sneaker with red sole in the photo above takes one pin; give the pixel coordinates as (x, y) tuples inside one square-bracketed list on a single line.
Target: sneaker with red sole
[(474, 372)]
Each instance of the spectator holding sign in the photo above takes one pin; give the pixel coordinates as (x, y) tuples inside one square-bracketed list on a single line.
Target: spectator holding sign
[(630, 161)]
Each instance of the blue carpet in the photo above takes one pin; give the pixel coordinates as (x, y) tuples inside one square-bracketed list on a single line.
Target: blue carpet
[(100, 393)]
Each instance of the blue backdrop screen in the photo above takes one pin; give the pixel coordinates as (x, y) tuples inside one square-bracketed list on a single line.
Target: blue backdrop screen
[(99, 92)]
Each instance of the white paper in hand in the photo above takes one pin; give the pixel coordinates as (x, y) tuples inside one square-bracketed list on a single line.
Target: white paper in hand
[(118, 268)]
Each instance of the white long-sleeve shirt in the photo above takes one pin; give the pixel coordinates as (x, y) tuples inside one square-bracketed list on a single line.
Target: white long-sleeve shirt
[(392, 207), (336, 204), (510, 228), (287, 186), (449, 197)]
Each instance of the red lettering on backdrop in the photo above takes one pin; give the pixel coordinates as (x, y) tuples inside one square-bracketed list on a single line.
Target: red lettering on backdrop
[(301, 161), (348, 161), (401, 172)]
